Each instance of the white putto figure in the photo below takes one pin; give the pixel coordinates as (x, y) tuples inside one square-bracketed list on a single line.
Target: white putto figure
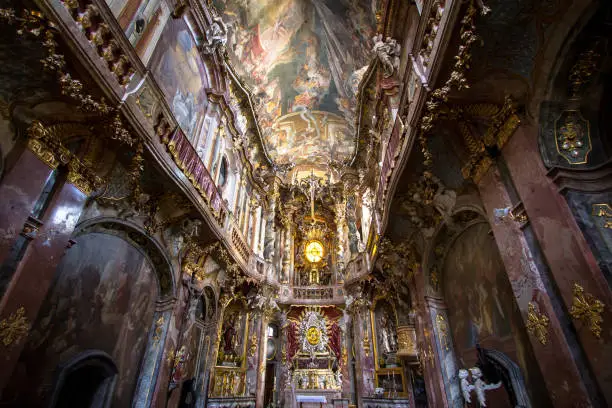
[(388, 52), (478, 385), (466, 387), (216, 36)]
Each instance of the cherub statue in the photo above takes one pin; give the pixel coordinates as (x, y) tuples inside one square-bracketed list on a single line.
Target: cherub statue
[(216, 36), (466, 387), (480, 386), (388, 52)]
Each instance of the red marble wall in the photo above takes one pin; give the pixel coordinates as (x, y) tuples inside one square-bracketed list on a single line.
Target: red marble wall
[(100, 299)]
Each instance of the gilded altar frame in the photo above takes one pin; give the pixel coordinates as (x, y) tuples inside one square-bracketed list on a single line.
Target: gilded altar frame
[(385, 371), (222, 380)]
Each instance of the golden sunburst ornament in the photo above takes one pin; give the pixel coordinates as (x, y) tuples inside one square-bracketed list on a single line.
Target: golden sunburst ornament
[(314, 251), (313, 335)]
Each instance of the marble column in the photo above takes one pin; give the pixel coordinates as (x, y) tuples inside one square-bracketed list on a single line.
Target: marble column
[(38, 265), (341, 240), (287, 250), (261, 361), (270, 231), (364, 351), (426, 340), (444, 351), (556, 357), (20, 189), (152, 360)]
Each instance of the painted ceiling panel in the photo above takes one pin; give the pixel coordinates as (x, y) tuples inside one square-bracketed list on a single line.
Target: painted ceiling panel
[(303, 61)]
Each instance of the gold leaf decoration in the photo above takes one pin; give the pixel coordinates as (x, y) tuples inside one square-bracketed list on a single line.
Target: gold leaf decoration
[(588, 309), (14, 327), (537, 324)]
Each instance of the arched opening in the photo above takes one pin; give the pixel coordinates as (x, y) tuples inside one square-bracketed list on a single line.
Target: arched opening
[(103, 298), (497, 366), (86, 381), (482, 311)]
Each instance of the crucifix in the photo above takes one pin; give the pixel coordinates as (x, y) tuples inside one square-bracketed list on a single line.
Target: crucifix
[(311, 186)]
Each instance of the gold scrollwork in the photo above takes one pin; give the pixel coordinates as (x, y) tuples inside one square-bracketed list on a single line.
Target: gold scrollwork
[(253, 345), (406, 340), (366, 344), (442, 332), (604, 210), (47, 146), (82, 176), (14, 327), (583, 70), (588, 309), (537, 324), (573, 137), (159, 328)]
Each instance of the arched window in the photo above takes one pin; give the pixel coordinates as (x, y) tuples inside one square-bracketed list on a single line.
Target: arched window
[(223, 173)]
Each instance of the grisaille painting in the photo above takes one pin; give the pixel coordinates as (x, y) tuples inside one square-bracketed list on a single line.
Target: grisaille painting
[(303, 60), (178, 68), (100, 300)]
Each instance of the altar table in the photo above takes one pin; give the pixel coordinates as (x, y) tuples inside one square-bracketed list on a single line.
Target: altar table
[(311, 398)]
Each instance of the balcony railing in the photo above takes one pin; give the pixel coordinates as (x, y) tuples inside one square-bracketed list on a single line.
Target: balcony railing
[(94, 31), (313, 293)]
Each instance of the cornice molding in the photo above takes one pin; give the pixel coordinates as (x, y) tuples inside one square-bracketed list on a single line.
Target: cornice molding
[(594, 180)]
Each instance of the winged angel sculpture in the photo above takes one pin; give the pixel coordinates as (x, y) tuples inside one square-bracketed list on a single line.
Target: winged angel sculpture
[(388, 52)]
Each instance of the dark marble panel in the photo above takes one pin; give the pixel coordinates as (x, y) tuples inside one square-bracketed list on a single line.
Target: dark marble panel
[(102, 298), (598, 237)]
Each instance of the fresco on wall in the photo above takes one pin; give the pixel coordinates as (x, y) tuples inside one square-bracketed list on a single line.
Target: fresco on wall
[(482, 309), (101, 300), (179, 70), (301, 56)]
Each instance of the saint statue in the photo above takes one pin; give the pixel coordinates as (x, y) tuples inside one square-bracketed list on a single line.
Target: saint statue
[(388, 337), (229, 333)]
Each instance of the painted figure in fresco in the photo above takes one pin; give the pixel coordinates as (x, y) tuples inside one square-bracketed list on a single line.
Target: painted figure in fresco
[(388, 339), (177, 65), (229, 334)]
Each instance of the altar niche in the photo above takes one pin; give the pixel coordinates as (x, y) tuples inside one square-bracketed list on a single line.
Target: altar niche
[(315, 346), (389, 373), (229, 374)]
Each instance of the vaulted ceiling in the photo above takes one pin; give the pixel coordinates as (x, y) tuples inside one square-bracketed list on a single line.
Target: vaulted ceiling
[(303, 61)]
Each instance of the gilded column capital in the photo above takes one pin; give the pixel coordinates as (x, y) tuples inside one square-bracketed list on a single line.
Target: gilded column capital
[(46, 145), (83, 177)]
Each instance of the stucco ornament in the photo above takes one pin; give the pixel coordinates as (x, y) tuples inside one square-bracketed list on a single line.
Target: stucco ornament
[(388, 53), (313, 333), (216, 36)]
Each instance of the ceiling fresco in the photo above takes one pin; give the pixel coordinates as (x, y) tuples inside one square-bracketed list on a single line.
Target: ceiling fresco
[(303, 61)]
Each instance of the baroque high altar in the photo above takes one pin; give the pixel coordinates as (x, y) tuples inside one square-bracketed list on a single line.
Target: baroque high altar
[(302, 203)]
